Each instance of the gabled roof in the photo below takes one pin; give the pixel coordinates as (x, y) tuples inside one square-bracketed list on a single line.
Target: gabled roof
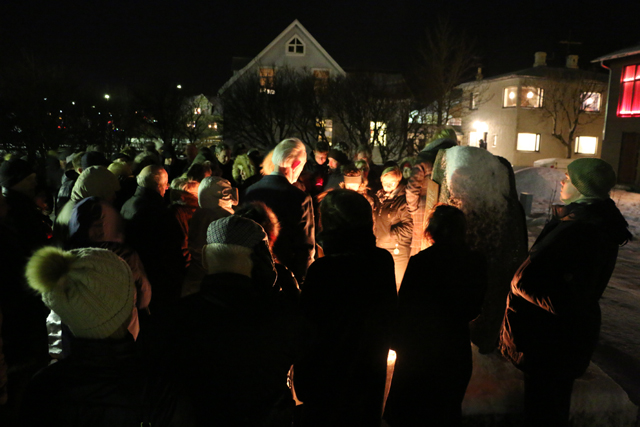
[(275, 41), (629, 51)]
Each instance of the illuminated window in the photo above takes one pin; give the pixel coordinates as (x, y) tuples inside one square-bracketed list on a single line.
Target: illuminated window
[(197, 110), (510, 98), (528, 142), (295, 47), (629, 103), (586, 144), (474, 101), (531, 97), (591, 102), (321, 78), (381, 128), (267, 80), (328, 129), (474, 138)]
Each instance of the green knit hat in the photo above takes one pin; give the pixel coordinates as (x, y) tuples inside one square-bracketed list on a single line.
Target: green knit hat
[(592, 177)]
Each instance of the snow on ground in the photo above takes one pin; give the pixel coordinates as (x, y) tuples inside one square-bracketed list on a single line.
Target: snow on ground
[(618, 353)]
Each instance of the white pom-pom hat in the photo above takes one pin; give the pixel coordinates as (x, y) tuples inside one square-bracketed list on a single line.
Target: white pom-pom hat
[(91, 289)]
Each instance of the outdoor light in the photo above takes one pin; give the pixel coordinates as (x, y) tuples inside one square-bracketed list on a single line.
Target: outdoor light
[(480, 126), (512, 95), (179, 86), (106, 96), (530, 95), (73, 103)]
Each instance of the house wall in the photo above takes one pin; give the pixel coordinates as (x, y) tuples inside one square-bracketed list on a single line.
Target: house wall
[(616, 126), (313, 57), (504, 124)]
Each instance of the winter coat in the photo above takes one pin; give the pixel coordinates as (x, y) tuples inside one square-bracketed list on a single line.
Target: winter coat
[(295, 246), (102, 383), (348, 300), (393, 222), (232, 346), (24, 217), (155, 234), (64, 193), (552, 320), (442, 291)]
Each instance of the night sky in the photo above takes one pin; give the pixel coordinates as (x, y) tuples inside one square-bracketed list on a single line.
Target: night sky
[(191, 42)]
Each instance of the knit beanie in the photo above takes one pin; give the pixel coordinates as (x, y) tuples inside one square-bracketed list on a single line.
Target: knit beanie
[(235, 230), (95, 181), (338, 156), (592, 177), (13, 171), (213, 189), (91, 289), (93, 158)]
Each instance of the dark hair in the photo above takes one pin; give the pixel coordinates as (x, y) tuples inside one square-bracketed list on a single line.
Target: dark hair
[(263, 215), (344, 210), (446, 224), (322, 147), (198, 171), (221, 147)]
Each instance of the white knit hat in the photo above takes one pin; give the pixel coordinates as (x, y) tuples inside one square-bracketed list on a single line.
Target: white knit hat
[(91, 289)]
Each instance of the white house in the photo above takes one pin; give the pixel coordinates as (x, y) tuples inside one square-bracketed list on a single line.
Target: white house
[(513, 113)]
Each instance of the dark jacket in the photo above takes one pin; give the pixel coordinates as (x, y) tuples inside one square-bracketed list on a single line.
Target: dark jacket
[(64, 193), (393, 222), (155, 234), (295, 246), (348, 300), (27, 220), (102, 383), (232, 346), (552, 320)]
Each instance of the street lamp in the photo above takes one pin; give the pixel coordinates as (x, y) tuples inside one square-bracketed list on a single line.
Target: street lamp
[(106, 96), (179, 86)]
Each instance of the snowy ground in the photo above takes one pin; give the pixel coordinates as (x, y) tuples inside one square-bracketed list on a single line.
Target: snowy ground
[(618, 353)]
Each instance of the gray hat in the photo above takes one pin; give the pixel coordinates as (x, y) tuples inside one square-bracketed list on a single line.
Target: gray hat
[(235, 230)]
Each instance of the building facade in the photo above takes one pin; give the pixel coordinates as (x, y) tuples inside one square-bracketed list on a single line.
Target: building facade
[(522, 116)]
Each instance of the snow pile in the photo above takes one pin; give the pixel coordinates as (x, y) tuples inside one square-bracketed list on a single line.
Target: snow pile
[(495, 396), (543, 183)]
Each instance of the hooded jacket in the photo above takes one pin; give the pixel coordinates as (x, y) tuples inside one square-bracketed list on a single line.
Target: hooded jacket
[(552, 320)]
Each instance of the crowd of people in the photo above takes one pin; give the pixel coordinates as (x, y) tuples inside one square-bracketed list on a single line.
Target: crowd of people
[(266, 289)]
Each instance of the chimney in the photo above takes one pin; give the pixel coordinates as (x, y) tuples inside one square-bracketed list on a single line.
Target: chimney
[(540, 59), (572, 61), (479, 75)]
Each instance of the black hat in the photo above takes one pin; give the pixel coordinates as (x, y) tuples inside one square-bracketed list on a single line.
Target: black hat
[(13, 171), (338, 156), (93, 158)]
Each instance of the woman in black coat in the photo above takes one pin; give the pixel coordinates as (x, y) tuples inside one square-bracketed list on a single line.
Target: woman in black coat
[(347, 300), (442, 291)]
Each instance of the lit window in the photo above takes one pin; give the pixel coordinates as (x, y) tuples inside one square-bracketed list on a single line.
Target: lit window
[(629, 103), (321, 77), (591, 102), (586, 144), (197, 110), (531, 97), (510, 96), (381, 127), (528, 142), (474, 101), (295, 47), (474, 138), (267, 80)]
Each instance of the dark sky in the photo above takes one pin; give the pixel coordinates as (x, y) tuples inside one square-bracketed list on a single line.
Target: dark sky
[(192, 41)]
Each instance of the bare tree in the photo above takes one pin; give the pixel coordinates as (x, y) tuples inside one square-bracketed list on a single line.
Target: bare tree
[(262, 112), (200, 119), (373, 110), (445, 58), (568, 94)]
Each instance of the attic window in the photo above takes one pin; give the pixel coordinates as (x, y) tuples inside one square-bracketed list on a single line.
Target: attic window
[(295, 47)]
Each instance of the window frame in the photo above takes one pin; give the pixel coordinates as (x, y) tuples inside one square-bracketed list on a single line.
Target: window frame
[(537, 142), (290, 43), (632, 83), (577, 145), (586, 96), (505, 96)]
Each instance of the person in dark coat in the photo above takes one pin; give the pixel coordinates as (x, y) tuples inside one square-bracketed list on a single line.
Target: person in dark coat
[(233, 342), (393, 222), (347, 300), (337, 159), (314, 175), (295, 246), (552, 320), (152, 230), (68, 181), (442, 291), (102, 382)]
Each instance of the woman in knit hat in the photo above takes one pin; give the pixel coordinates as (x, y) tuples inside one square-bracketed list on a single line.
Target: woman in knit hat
[(552, 320), (102, 383)]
